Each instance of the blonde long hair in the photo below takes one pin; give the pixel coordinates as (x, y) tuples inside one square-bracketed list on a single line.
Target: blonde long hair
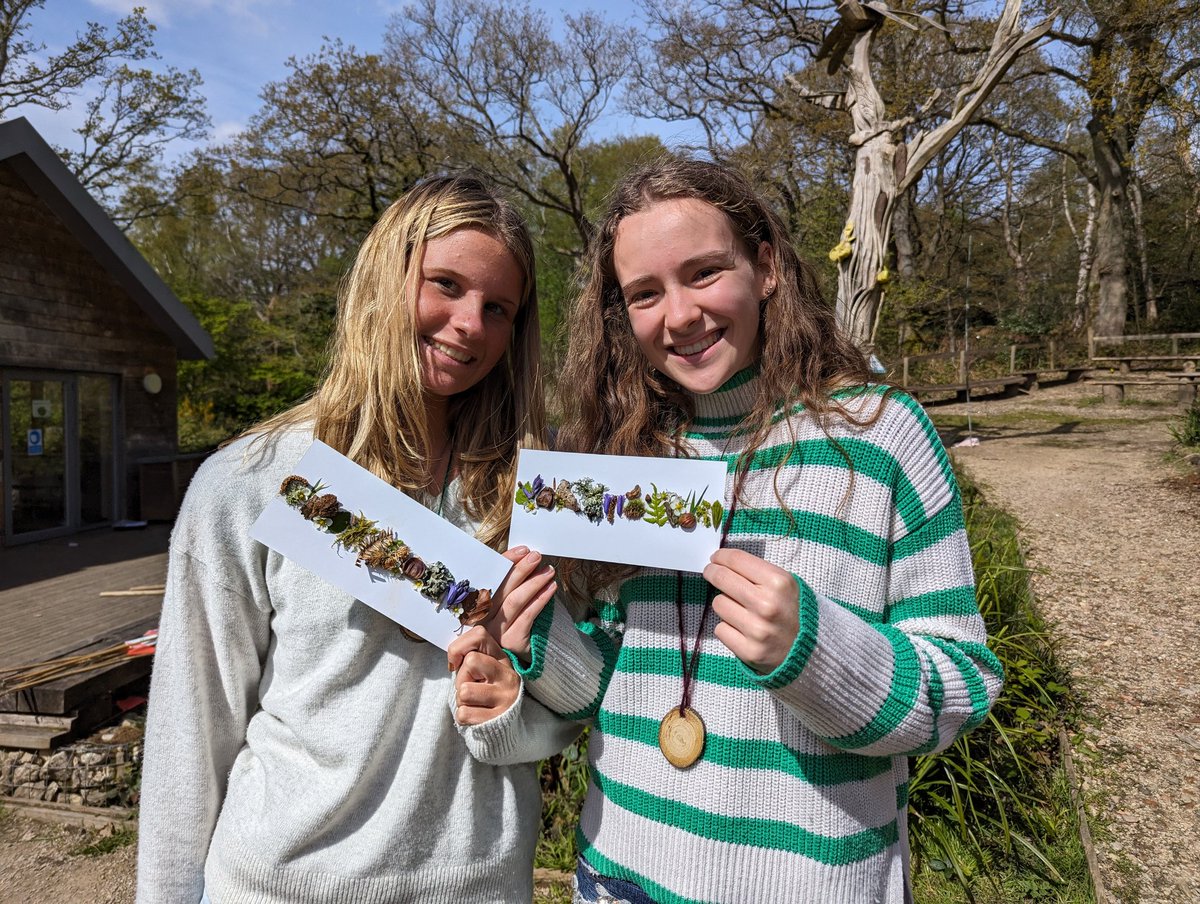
[(370, 405)]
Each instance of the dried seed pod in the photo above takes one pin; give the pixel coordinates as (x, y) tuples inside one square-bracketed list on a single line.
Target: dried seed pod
[(635, 509), (292, 483), (376, 553), (476, 608), (610, 510), (325, 506), (397, 555), (413, 568), (635, 493), (687, 521), (545, 498)]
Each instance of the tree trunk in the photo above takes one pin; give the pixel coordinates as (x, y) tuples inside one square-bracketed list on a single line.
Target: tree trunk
[(863, 250), (1139, 235), (1085, 244), (1111, 262), (906, 264)]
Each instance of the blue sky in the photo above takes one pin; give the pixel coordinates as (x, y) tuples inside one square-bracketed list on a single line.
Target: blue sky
[(240, 45)]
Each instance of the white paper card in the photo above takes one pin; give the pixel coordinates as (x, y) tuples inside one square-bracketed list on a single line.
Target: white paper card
[(562, 532), (286, 531)]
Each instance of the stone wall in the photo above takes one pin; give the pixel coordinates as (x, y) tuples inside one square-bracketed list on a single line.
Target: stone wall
[(84, 773)]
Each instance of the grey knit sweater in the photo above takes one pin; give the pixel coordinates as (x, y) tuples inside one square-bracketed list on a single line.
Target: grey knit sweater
[(299, 748)]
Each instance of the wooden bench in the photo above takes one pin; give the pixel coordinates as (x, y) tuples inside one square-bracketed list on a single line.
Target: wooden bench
[(1009, 385), (1125, 362), (1186, 381)]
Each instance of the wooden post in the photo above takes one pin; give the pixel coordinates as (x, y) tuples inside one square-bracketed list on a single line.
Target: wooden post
[(1012, 359), (904, 371), (962, 365), (1114, 393)]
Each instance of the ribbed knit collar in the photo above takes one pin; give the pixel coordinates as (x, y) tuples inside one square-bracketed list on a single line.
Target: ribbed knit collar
[(730, 402)]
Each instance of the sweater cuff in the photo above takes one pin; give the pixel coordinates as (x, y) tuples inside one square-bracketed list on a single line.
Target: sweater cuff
[(806, 639), (569, 664), (495, 741)]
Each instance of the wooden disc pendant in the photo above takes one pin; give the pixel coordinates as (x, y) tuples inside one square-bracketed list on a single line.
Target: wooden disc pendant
[(681, 737), (415, 638)]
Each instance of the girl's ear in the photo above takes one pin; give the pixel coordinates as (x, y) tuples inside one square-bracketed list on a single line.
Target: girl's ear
[(766, 266)]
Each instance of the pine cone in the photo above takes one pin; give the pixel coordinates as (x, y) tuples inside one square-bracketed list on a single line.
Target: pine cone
[(325, 506)]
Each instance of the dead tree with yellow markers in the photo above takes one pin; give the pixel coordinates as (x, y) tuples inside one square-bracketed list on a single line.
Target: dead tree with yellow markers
[(886, 164)]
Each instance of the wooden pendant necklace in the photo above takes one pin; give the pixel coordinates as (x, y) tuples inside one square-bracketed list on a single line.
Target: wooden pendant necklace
[(681, 733)]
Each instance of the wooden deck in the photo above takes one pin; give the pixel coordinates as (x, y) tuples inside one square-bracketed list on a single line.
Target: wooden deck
[(50, 606)]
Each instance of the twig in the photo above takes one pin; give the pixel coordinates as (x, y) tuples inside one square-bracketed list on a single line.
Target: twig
[(1085, 835)]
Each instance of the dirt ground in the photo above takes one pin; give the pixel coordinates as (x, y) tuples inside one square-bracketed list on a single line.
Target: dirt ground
[(1112, 528)]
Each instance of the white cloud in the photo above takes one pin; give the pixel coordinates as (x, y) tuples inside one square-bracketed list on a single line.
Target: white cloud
[(253, 15)]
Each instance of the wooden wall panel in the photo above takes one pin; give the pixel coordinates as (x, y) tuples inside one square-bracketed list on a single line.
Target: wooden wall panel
[(60, 310)]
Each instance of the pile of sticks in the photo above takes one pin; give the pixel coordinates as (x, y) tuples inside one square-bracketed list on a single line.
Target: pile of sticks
[(24, 677)]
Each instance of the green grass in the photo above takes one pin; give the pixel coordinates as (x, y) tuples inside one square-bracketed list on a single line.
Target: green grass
[(1185, 429)]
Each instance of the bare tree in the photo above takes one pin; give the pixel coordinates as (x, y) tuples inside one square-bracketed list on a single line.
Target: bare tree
[(523, 102), (734, 66)]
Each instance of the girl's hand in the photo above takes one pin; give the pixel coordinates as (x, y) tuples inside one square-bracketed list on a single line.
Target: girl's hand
[(525, 592), (759, 607), (485, 684)]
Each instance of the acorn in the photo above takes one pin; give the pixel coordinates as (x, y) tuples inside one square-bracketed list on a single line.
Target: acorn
[(545, 498), (413, 568), (687, 521)]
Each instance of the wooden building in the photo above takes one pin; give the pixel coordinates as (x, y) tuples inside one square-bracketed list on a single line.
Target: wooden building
[(89, 340)]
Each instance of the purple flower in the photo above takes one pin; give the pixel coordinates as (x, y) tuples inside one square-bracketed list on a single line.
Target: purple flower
[(537, 484), (456, 594), (620, 504)]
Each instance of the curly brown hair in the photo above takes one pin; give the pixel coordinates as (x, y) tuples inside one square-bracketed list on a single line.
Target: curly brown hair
[(615, 402)]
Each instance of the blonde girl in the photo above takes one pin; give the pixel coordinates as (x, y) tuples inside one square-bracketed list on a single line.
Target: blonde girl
[(752, 725), (300, 746)]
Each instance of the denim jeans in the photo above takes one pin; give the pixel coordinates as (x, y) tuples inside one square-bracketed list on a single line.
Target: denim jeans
[(593, 888)]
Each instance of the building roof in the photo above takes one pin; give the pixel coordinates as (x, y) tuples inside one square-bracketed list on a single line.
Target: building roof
[(22, 148)]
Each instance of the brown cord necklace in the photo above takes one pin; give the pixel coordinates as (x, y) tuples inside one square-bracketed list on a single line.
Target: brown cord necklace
[(681, 733)]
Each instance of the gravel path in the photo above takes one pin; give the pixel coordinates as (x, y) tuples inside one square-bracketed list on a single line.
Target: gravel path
[(1113, 529)]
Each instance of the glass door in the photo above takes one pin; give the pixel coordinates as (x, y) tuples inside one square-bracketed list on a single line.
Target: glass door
[(59, 456), (36, 454), (97, 448)]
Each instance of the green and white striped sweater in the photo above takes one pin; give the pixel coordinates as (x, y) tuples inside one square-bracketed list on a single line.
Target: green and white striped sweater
[(802, 789)]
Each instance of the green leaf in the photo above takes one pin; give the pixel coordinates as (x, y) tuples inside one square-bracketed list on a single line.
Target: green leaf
[(521, 497), (339, 522), (718, 512)]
